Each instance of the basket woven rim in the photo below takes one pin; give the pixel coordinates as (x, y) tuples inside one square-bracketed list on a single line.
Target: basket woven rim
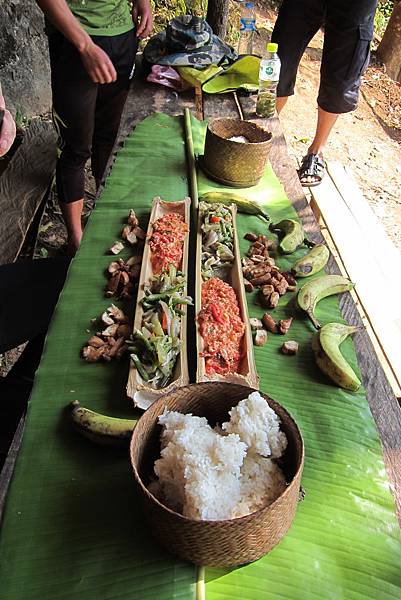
[(237, 183), (269, 507), (233, 120)]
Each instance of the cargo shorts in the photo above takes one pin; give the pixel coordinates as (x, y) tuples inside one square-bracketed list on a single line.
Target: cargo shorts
[(348, 31)]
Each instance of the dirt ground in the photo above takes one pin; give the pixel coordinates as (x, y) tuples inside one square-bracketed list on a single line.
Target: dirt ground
[(367, 140)]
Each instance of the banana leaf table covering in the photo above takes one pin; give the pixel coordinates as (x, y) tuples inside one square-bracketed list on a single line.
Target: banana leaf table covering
[(73, 529)]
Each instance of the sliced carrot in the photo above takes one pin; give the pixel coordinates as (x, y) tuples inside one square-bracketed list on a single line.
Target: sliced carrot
[(164, 321)]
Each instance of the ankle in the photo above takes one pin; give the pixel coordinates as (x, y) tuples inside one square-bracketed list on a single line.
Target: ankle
[(316, 149)]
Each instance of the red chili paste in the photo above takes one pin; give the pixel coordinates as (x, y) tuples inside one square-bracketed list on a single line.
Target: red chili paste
[(166, 242), (221, 327)]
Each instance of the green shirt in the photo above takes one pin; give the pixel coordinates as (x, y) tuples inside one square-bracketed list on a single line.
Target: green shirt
[(102, 17)]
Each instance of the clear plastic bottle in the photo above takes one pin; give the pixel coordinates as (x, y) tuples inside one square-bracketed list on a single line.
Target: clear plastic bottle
[(269, 74), (247, 28)]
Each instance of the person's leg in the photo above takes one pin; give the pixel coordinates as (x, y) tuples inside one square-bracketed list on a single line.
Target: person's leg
[(109, 107), (312, 171), (280, 103), (325, 123), (111, 99), (28, 294), (15, 391), (72, 213), (348, 31), (296, 24), (74, 101)]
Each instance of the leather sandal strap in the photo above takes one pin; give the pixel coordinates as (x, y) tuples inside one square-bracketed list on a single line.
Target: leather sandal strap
[(312, 165)]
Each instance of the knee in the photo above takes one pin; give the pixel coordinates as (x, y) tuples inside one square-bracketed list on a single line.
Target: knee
[(335, 99), (74, 158)]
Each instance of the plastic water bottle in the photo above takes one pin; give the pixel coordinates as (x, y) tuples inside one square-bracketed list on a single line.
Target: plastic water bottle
[(269, 74), (247, 27)]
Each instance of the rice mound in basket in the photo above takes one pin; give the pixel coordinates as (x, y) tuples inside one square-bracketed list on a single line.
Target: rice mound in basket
[(220, 473)]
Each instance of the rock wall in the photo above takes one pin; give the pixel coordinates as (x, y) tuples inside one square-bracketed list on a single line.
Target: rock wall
[(24, 61)]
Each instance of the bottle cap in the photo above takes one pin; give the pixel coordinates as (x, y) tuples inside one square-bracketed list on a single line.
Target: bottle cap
[(272, 47), (249, 4)]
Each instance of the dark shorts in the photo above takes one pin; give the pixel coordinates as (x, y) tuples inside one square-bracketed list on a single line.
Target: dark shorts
[(87, 114), (348, 31)]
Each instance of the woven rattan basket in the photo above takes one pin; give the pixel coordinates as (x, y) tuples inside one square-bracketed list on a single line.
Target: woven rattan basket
[(234, 163), (215, 543)]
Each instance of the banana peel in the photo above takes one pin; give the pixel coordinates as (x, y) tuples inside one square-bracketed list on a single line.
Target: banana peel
[(314, 291), (292, 235), (311, 263), (101, 429), (326, 348)]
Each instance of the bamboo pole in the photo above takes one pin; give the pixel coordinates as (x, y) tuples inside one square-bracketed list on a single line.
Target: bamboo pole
[(193, 192), (189, 143), (200, 583)]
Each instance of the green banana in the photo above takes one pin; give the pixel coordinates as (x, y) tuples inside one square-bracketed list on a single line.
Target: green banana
[(244, 205), (292, 234), (101, 428), (312, 262), (326, 347), (313, 291)]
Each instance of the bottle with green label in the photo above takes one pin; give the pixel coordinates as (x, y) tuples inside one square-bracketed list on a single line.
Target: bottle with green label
[(269, 74)]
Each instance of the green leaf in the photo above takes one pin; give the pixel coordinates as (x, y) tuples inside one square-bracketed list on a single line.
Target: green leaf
[(345, 542), (73, 527)]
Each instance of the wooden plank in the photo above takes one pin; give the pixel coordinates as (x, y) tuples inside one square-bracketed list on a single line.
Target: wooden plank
[(388, 258), (23, 186), (220, 105), (146, 98), (364, 317), (377, 289), (383, 403)]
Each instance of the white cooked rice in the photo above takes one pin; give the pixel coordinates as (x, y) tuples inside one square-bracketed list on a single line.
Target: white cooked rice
[(209, 474), (261, 481), (257, 425)]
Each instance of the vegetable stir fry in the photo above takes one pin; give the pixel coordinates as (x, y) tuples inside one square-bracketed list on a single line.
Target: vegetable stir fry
[(155, 347), (217, 240)]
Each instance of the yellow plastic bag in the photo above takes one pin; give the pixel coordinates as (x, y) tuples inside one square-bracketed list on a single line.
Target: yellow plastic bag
[(243, 73)]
